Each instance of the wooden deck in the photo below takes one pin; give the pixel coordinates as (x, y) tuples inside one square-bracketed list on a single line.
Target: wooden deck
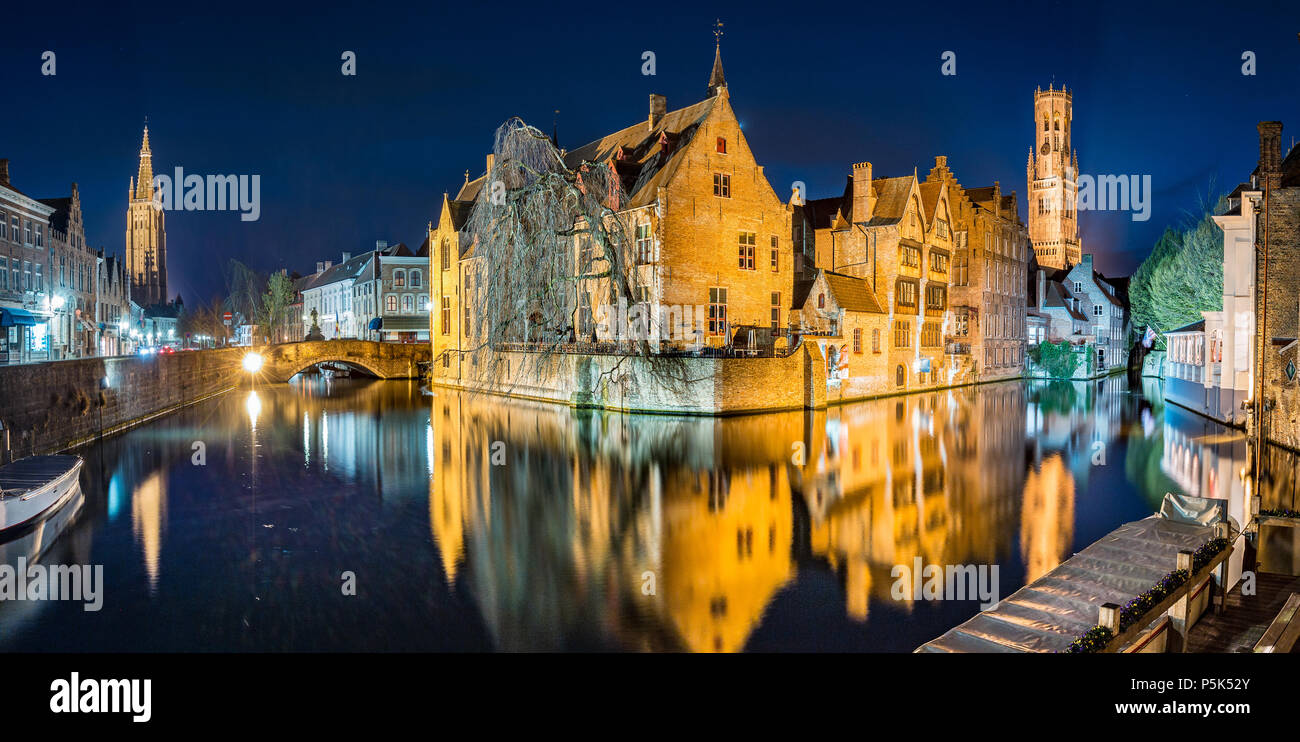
[(1243, 623)]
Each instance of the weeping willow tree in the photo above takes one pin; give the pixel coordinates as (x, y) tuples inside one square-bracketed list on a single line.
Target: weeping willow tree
[(553, 260)]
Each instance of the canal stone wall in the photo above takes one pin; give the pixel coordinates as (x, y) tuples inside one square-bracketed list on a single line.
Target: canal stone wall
[(47, 407), (711, 386)]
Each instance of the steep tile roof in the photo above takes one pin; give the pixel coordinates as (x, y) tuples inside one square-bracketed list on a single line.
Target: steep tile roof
[(853, 294), (891, 200)]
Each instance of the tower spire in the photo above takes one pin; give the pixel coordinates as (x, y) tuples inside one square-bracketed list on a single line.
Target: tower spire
[(717, 81), (144, 180)]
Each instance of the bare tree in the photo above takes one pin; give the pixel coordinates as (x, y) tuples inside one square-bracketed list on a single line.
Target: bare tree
[(551, 253)]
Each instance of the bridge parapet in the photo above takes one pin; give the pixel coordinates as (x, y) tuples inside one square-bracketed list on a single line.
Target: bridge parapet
[(384, 360)]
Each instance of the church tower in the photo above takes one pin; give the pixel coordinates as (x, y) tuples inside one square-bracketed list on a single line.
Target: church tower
[(1053, 175), (146, 239)]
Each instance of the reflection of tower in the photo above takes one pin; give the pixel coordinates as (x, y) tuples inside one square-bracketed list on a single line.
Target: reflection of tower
[(1047, 517), (148, 513), (1053, 174), (146, 238)]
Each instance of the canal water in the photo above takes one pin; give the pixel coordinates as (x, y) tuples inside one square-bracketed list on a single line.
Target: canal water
[(366, 515)]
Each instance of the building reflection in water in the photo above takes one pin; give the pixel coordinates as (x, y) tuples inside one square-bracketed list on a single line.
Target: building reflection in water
[(679, 532), (551, 528)]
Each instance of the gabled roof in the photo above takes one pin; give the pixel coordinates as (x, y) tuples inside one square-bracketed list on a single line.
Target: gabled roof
[(825, 212), (646, 158), (425, 248), (341, 272), (891, 199), (851, 293), (930, 192), (1059, 298)]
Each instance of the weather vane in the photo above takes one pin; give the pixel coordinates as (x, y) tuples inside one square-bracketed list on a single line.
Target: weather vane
[(717, 31)]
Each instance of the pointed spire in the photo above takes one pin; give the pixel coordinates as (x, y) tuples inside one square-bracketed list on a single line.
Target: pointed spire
[(144, 180), (717, 81)]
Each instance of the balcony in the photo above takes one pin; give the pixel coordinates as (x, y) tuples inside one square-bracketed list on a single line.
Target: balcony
[(957, 349)]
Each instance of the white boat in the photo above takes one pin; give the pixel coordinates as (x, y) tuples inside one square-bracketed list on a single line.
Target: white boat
[(36, 486)]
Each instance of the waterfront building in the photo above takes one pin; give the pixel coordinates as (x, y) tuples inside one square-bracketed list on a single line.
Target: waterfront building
[(1219, 365), (1084, 308), (1053, 176), (112, 304), (73, 273), (26, 312), (390, 295), (710, 231), (894, 239), (986, 338), (146, 234), (329, 293)]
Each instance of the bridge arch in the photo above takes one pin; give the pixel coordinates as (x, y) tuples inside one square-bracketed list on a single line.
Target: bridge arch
[(302, 365)]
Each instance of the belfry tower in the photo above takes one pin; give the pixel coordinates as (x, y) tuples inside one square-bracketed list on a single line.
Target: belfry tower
[(1053, 175), (146, 238)]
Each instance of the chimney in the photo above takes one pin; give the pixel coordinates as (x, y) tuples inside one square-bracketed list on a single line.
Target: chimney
[(1087, 262), (997, 199), (4, 171), (658, 107), (381, 245), (490, 159), (347, 256), (320, 267), (1270, 152), (863, 204)]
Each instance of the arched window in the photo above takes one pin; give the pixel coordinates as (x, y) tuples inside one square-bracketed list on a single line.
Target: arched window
[(423, 303), (406, 303), (415, 279), (821, 301), (390, 303), (900, 377), (399, 278)]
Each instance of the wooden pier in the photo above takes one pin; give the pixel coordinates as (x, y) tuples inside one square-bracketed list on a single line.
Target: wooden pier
[(1242, 625)]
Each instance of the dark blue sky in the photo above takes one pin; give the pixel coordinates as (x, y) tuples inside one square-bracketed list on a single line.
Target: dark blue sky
[(343, 161)]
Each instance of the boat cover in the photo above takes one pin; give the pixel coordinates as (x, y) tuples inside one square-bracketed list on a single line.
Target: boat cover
[(34, 471), (1052, 611)]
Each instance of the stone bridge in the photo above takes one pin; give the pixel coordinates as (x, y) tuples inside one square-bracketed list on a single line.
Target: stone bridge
[(383, 360)]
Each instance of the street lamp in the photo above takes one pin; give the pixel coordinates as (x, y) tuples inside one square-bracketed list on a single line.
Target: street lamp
[(252, 362)]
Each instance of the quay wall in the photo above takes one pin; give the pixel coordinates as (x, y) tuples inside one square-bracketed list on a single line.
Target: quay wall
[(701, 386), (53, 406), (49, 407)]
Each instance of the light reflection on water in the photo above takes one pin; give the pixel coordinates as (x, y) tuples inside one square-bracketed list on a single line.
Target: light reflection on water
[(472, 522)]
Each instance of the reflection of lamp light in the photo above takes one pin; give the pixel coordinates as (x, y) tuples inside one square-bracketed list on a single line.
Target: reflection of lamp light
[(254, 407), (252, 363)]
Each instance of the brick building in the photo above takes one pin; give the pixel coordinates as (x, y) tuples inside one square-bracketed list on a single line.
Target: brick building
[(73, 272), (711, 232), (1277, 266), (986, 338), (1053, 176), (895, 238), (25, 312)]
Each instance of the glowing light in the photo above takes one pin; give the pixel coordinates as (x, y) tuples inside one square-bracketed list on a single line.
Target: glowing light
[(252, 363), (253, 404), (56, 302)]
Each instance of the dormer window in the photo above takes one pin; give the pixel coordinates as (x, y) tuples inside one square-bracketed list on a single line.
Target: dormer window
[(722, 145)]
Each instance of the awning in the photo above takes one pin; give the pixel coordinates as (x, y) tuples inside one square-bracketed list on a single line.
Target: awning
[(376, 323), (405, 324), (17, 317)]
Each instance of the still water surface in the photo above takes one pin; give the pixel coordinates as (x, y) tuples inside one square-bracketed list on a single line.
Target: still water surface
[(477, 523)]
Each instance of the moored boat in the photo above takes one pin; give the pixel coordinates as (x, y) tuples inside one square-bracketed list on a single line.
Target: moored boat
[(34, 487)]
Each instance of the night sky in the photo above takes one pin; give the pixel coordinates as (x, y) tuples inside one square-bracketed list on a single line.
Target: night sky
[(347, 160)]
